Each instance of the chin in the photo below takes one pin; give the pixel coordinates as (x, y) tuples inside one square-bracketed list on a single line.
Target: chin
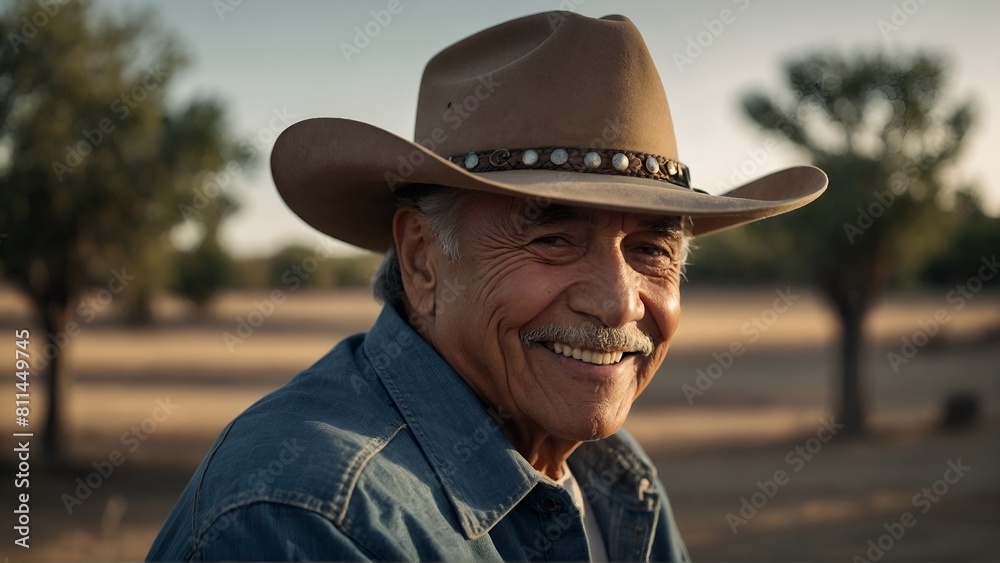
[(597, 426)]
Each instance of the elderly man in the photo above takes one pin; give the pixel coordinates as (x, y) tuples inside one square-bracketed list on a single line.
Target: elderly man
[(535, 235)]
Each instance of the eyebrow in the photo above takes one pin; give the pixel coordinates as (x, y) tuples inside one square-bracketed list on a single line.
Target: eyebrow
[(559, 214), (665, 226), (554, 215)]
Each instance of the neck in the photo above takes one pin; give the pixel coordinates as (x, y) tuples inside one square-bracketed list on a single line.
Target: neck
[(545, 452)]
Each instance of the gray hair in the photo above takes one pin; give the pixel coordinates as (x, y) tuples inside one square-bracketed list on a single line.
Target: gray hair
[(442, 208)]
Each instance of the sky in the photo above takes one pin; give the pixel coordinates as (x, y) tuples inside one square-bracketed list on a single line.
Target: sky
[(274, 63)]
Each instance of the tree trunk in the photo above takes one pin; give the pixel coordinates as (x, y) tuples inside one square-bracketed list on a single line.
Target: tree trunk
[(140, 308), (851, 409), (56, 339)]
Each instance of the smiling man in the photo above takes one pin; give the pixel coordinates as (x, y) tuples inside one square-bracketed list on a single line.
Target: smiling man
[(562, 320), (531, 287)]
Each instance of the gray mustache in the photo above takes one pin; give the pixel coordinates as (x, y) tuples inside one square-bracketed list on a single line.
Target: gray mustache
[(592, 337)]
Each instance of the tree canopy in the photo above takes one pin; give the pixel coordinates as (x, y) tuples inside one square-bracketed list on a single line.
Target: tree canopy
[(883, 129), (96, 163)]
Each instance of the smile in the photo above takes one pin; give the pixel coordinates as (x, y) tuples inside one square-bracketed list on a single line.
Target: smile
[(596, 357)]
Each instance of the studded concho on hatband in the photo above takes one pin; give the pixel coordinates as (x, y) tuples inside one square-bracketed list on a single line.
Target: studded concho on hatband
[(597, 161)]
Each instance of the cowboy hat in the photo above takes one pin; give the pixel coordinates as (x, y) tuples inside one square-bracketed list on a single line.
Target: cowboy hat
[(555, 106)]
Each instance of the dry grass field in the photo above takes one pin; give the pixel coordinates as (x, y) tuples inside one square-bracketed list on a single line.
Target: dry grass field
[(739, 431)]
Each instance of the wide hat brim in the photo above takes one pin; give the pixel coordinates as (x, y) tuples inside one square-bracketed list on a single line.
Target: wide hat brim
[(340, 177)]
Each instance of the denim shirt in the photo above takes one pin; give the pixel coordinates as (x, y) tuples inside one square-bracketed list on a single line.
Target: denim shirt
[(380, 451)]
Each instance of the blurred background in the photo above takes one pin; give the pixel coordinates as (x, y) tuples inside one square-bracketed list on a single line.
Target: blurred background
[(853, 345)]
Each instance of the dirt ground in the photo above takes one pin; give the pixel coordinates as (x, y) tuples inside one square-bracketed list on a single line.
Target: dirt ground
[(721, 453)]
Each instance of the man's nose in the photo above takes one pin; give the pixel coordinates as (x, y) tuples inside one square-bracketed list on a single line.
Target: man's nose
[(611, 291)]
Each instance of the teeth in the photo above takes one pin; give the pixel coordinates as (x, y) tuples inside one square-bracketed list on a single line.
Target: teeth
[(584, 355)]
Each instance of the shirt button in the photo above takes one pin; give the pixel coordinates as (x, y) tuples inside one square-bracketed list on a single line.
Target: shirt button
[(644, 487), (550, 504)]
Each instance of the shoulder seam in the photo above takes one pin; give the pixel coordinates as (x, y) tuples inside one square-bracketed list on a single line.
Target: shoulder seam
[(352, 472), (201, 479), (333, 507), (300, 505)]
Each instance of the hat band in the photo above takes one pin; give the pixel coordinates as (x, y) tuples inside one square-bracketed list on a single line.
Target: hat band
[(603, 161)]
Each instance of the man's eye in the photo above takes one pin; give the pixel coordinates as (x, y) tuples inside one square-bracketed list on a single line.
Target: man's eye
[(551, 240), (654, 251)]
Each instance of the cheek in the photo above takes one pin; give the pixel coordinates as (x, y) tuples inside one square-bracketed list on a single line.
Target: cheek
[(671, 314), (665, 311), (496, 304), (662, 300), (517, 295)]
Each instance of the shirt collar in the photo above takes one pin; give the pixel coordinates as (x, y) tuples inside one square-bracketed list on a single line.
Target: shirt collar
[(481, 472), (617, 468)]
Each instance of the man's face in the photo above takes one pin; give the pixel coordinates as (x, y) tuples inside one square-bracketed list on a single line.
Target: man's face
[(509, 313)]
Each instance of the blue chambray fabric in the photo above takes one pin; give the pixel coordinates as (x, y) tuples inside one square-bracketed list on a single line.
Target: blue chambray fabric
[(380, 451)]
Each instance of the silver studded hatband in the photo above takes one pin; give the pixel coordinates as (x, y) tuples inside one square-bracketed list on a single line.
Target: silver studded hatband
[(595, 161)]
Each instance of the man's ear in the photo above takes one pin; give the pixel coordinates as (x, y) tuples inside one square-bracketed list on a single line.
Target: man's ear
[(414, 242)]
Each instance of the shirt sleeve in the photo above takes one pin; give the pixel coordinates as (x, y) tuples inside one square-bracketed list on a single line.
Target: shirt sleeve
[(268, 531)]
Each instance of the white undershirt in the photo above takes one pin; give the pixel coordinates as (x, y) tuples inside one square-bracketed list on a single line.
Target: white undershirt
[(595, 538)]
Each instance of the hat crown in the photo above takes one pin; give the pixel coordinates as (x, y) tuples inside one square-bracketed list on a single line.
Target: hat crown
[(556, 106), (556, 79)]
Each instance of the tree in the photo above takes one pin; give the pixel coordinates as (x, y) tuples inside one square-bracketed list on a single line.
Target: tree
[(95, 166), (296, 266), (354, 271), (203, 271), (879, 127), (976, 240)]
